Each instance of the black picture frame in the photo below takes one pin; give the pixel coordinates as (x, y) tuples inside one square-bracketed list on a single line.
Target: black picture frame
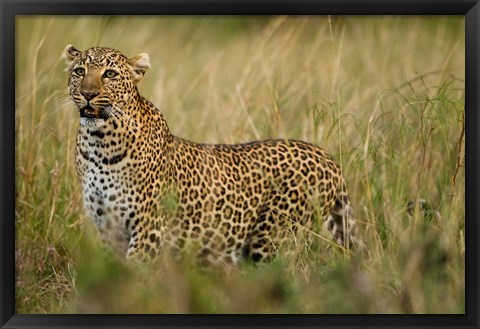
[(9, 9)]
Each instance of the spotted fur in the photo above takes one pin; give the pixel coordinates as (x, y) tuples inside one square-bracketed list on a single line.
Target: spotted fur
[(148, 190)]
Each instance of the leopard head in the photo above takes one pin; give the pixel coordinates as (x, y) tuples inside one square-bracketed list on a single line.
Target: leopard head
[(103, 81)]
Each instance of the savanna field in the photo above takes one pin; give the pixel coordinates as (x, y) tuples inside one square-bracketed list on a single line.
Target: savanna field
[(384, 95)]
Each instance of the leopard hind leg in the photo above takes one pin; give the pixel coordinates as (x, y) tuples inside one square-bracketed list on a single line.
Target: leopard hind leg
[(341, 221)]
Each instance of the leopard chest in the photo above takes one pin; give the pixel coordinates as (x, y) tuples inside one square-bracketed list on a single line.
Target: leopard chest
[(105, 197), (108, 191)]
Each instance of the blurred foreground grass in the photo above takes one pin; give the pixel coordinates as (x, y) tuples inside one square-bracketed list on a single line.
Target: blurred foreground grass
[(385, 95)]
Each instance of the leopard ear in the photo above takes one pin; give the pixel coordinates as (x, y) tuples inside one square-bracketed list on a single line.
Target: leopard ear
[(70, 54), (138, 66)]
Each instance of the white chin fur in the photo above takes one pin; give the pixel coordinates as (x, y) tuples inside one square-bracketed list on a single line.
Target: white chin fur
[(89, 122)]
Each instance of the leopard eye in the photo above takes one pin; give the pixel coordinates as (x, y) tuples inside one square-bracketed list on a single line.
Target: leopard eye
[(79, 71), (110, 74)]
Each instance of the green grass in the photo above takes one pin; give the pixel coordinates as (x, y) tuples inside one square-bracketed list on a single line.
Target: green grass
[(384, 95)]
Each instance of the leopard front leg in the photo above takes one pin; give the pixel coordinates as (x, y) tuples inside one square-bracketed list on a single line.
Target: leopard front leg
[(145, 239)]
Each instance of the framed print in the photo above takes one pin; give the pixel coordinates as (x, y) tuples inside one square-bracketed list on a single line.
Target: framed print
[(258, 164)]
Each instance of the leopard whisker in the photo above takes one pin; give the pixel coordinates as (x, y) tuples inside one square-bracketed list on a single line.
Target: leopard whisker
[(128, 121), (111, 112), (63, 103)]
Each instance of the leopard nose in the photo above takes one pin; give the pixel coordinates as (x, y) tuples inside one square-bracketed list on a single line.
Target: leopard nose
[(89, 94)]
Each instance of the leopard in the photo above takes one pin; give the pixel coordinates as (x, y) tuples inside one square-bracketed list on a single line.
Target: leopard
[(149, 191)]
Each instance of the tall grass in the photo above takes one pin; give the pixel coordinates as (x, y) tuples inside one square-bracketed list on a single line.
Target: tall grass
[(384, 95)]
